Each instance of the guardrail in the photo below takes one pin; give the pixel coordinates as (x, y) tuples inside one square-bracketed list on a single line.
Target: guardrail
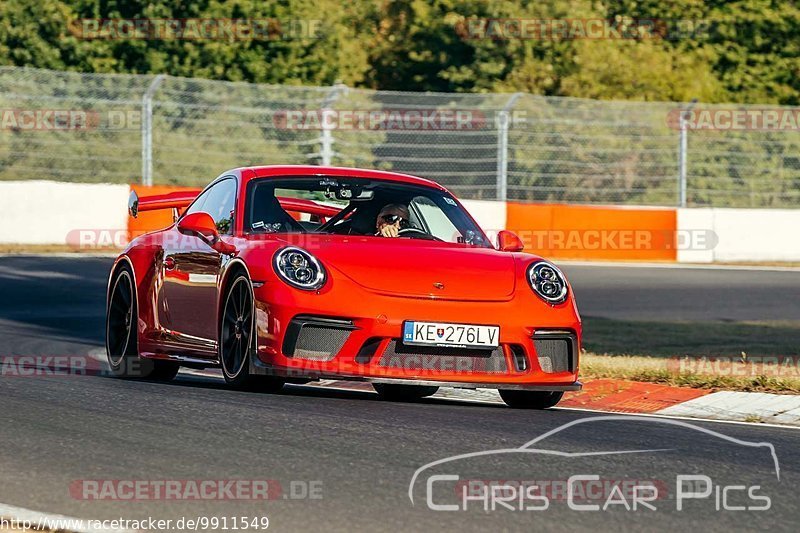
[(94, 217)]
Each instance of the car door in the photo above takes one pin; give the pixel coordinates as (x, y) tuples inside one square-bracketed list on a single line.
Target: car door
[(191, 269)]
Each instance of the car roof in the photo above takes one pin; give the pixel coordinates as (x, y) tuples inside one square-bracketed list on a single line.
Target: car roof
[(313, 170)]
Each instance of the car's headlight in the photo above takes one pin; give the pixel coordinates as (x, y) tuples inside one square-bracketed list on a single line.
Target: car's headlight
[(547, 282), (299, 268)]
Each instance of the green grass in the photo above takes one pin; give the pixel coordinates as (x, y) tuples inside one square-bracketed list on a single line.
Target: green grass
[(743, 377), (675, 339), (680, 353)]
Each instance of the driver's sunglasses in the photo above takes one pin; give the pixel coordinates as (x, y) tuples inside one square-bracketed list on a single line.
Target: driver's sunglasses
[(392, 219)]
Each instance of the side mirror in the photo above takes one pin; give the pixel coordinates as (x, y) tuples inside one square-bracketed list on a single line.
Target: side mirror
[(200, 225), (507, 241), (203, 226)]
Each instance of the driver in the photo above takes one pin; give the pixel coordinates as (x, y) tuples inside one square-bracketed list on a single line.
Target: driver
[(391, 219)]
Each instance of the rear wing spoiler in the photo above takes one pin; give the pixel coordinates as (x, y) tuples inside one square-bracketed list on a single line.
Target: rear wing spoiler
[(182, 199), (173, 200), (307, 206)]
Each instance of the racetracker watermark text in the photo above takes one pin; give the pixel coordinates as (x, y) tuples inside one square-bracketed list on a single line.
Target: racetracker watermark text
[(195, 29), (571, 29), (553, 240), (767, 366), (25, 366), (432, 119), (742, 119), (194, 489), (44, 120)]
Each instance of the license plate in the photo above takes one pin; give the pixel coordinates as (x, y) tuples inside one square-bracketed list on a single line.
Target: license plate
[(451, 335)]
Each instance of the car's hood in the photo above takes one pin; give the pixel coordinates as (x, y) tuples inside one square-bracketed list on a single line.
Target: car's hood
[(417, 269)]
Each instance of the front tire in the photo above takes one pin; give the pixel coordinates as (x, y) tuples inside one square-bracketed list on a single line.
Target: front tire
[(522, 399), (236, 338), (403, 393), (122, 340)]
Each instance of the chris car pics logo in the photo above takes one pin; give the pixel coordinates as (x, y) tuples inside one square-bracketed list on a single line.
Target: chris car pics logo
[(450, 484)]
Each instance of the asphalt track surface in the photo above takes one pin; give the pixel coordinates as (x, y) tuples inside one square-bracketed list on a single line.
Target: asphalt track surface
[(363, 452)]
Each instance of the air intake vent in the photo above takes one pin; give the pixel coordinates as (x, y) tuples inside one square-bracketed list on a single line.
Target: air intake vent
[(555, 352), (319, 343), (367, 351), (520, 361), (316, 338)]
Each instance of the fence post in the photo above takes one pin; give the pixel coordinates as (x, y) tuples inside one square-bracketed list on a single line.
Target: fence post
[(326, 140), (147, 130), (502, 148), (684, 115)]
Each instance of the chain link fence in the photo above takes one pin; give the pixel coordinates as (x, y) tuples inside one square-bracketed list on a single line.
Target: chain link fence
[(164, 130)]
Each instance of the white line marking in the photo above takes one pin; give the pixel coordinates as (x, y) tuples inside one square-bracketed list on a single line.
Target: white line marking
[(50, 521)]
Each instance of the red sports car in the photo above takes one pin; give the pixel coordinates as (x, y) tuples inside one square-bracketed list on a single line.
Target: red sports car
[(283, 274)]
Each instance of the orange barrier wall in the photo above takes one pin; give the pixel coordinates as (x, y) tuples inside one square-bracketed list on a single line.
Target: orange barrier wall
[(580, 232), (152, 220)]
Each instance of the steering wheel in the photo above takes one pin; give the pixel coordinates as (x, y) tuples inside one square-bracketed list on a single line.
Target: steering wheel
[(416, 233)]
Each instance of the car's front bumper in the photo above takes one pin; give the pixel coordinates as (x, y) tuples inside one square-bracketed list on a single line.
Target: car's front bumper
[(358, 338), (258, 367)]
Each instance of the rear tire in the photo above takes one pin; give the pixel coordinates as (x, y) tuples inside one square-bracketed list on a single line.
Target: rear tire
[(403, 393), (122, 339), (236, 339), (522, 399)]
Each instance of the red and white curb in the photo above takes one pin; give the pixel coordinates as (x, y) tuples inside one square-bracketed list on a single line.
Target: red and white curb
[(743, 406)]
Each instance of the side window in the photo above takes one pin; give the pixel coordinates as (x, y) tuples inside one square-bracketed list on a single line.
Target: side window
[(220, 202), (197, 205)]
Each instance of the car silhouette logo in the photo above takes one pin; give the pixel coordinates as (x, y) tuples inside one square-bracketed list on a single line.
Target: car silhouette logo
[(439, 285)]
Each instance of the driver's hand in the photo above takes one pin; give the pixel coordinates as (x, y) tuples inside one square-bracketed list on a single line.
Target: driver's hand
[(390, 230)]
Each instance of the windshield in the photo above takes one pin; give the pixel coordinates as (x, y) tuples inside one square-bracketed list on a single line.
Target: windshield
[(355, 206)]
